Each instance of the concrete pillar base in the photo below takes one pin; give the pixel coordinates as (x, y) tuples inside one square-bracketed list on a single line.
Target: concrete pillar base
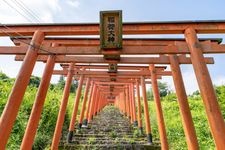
[(149, 138), (135, 123), (69, 137), (85, 122), (141, 130), (79, 125)]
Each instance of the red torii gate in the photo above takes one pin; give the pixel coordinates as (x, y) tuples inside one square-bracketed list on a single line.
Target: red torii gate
[(148, 129), (193, 47), (132, 115)]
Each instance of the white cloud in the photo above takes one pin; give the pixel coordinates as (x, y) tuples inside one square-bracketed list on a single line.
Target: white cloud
[(44, 9), (73, 3)]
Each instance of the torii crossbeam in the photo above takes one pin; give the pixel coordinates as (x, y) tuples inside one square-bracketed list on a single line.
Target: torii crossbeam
[(32, 44)]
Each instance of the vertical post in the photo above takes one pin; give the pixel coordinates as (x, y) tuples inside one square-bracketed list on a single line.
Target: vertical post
[(100, 102), (130, 103), (124, 102), (104, 101), (139, 107), (75, 109), (62, 110), (84, 101), (159, 113), (212, 108), (35, 115), (11, 109), (85, 121), (92, 103), (127, 101), (96, 102), (147, 120), (120, 102), (185, 112), (134, 105)]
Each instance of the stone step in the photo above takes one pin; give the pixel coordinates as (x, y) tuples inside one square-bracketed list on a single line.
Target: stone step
[(108, 130), (101, 135), (78, 139), (111, 147)]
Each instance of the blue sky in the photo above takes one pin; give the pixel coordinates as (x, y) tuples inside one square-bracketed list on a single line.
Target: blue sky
[(50, 11)]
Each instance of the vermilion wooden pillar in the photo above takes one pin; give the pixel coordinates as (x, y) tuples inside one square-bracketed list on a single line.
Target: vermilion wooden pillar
[(159, 113), (212, 108), (146, 112), (117, 102), (84, 101), (127, 101), (101, 103), (134, 105), (62, 110), (85, 121), (96, 102), (75, 109), (139, 107), (124, 103), (12, 107), (35, 115), (120, 103), (131, 105), (92, 103), (185, 112)]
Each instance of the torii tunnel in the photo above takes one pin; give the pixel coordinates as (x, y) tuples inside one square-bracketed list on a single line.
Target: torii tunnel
[(108, 76)]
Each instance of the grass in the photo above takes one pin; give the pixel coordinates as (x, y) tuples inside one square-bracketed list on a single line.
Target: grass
[(174, 128)]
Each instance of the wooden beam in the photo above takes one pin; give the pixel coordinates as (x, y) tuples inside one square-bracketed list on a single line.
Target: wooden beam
[(107, 66), (201, 27), (118, 86), (208, 48), (117, 76), (21, 41), (106, 76), (108, 92), (112, 83), (119, 73), (123, 60)]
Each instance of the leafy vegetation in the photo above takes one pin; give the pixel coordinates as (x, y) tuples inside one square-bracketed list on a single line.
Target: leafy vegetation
[(175, 133), (163, 90), (174, 128), (49, 113)]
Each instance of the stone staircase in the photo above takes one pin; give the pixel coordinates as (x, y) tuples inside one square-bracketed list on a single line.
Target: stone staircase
[(108, 130)]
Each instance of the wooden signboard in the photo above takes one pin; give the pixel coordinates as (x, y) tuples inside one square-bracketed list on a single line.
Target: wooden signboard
[(111, 29)]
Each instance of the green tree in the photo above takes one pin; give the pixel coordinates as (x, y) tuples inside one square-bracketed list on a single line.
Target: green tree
[(34, 81), (196, 93), (3, 76), (149, 94), (163, 89), (61, 83), (74, 86), (170, 97)]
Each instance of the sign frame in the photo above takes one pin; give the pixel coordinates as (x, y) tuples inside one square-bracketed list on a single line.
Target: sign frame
[(104, 44)]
